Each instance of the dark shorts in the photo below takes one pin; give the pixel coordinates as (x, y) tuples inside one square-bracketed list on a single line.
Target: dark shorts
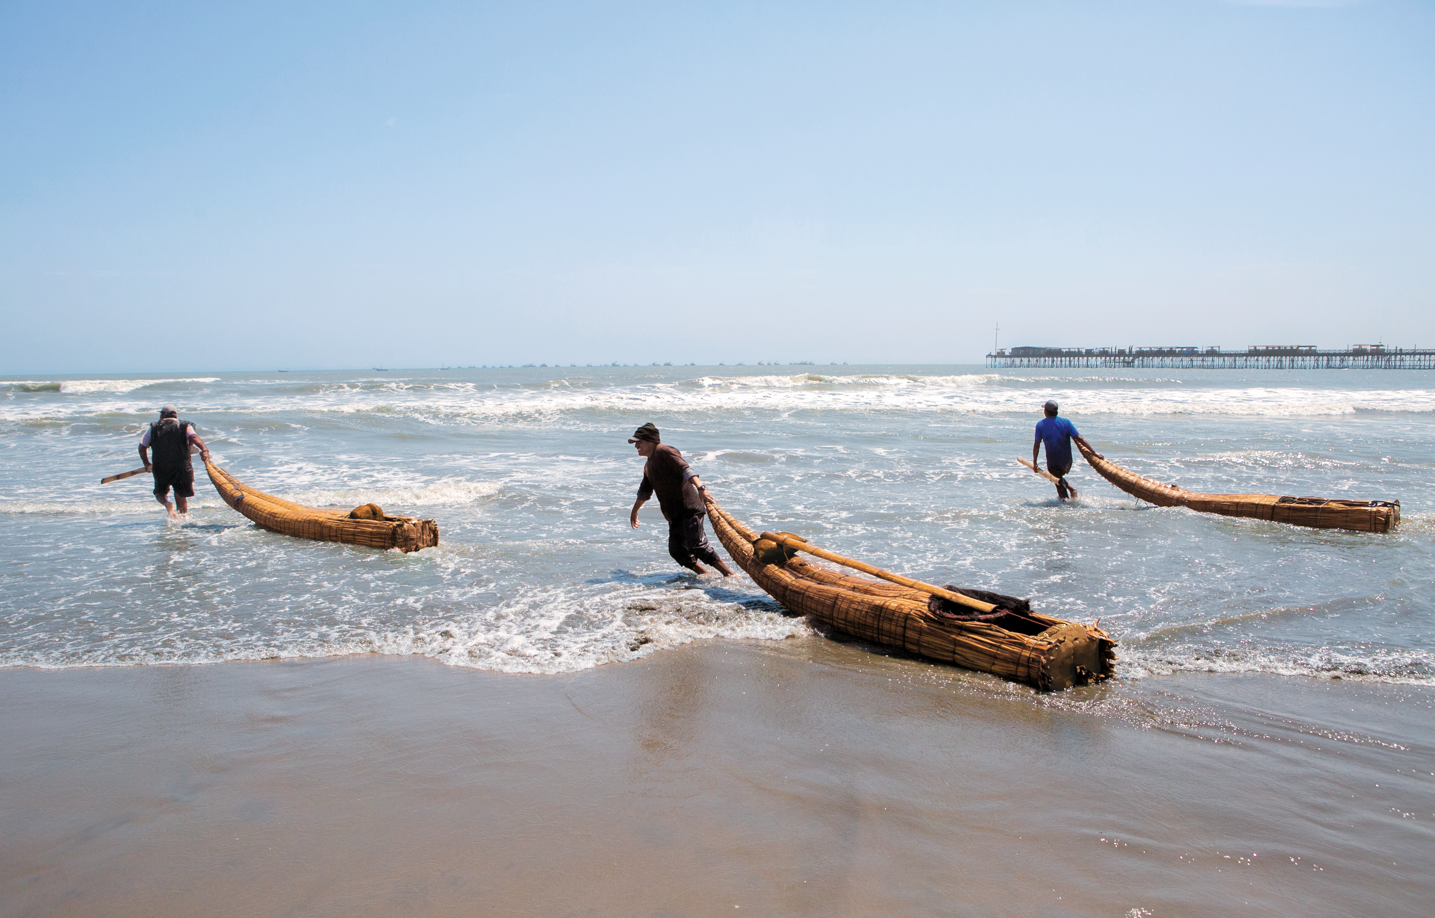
[(182, 480), (688, 540), (1058, 470)]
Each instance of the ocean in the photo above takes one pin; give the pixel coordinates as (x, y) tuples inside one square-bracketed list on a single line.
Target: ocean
[(530, 478), (545, 715)]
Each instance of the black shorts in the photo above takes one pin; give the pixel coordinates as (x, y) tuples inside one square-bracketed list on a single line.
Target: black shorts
[(181, 479), (1058, 470), (688, 542)]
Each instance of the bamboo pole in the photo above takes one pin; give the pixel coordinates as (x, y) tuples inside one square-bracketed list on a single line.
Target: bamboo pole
[(130, 474), (1042, 472), (796, 543)]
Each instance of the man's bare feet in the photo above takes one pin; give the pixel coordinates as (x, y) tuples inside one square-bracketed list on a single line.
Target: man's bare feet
[(699, 569), (726, 571)]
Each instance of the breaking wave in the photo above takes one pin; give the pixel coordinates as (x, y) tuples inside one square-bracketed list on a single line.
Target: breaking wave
[(976, 395)]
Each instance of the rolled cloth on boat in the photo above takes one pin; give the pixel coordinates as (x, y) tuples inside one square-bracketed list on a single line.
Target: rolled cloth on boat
[(367, 512), (1011, 612)]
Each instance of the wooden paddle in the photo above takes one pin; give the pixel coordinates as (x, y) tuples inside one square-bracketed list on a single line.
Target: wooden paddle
[(1042, 472), (130, 474), (796, 543)]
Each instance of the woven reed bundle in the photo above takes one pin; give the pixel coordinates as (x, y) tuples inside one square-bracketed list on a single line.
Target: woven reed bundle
[(1062, 655), (282, 516), (1315, 512)]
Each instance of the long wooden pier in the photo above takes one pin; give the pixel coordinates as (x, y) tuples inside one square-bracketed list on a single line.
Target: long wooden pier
[(1264, 357)]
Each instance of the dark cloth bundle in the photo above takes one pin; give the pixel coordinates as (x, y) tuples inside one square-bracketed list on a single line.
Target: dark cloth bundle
[(1010, 613)]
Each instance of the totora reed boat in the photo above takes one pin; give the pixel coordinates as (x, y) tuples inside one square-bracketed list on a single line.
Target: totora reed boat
[(279, 515), (1014, 642), (1316, 512)]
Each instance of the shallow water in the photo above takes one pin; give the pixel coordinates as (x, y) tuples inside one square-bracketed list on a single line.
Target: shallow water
[(528, 473)]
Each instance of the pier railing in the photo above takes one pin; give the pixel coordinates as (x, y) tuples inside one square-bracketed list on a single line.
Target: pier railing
[(1271, 357)]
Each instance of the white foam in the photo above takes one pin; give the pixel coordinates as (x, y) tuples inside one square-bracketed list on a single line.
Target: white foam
[(885, 394), (872, 380), (146, 505), (1373, 665), (120, 386), (444, 403), (542, 630), (449, 492), (548, 630)]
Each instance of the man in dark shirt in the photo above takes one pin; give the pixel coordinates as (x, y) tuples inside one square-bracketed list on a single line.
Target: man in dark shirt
[(170, 440), (1057, 433), (680, 497)]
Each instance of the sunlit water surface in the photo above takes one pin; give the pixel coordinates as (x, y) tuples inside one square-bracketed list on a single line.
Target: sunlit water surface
[(530, 478)]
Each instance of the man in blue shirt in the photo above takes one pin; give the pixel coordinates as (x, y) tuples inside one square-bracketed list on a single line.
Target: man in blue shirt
[(1057, 433)]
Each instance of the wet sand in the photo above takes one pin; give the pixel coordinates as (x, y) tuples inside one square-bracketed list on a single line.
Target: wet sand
[(802, 777)]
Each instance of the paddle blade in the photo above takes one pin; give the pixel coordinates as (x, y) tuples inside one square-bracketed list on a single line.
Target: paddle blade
[(129, 474)]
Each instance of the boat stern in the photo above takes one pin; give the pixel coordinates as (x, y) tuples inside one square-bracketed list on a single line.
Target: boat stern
[(1076, 655)]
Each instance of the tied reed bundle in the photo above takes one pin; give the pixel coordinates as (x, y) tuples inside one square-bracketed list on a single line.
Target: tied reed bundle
[(1315, 512), (1055, 654), (282, 516)]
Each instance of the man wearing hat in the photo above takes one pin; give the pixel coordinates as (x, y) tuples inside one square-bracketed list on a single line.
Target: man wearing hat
[(170, 440), (680, 497), (1057, 433)]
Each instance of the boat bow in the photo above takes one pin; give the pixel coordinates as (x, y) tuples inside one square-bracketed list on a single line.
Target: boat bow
[(282, 516), (1314, 512)]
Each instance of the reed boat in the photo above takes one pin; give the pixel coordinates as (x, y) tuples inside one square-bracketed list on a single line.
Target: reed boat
[(1022, 645), (282, 516), (1315, 512)]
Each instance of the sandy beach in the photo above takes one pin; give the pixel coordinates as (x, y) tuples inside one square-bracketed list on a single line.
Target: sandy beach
[(802, 777)]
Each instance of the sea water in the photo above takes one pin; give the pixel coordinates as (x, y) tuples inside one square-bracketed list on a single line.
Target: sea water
[(530, 478)]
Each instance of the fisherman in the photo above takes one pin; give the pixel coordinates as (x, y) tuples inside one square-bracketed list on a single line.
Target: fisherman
[(1058, 433), (680, 497), (170, 440)]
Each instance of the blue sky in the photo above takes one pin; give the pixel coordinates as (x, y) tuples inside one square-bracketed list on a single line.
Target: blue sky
[(256, 186)]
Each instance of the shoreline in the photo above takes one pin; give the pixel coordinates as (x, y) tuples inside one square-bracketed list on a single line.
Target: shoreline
[(795, 777)]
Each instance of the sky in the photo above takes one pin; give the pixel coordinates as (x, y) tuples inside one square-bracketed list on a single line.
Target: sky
[(255, 186)]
